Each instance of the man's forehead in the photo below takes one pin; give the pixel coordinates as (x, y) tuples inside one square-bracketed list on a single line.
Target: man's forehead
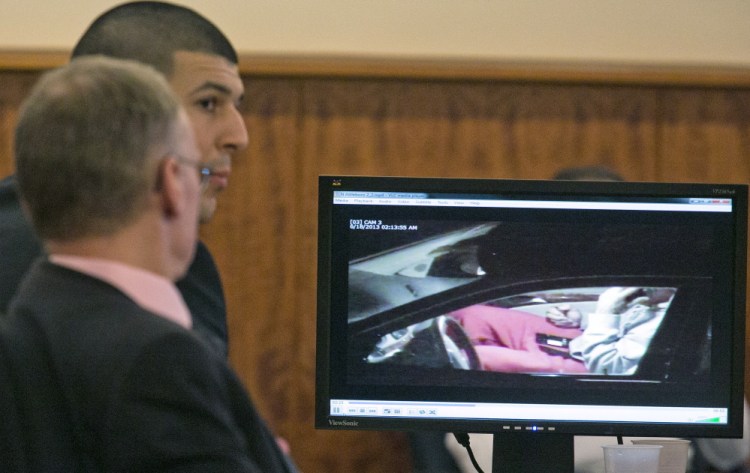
[(195, 69)]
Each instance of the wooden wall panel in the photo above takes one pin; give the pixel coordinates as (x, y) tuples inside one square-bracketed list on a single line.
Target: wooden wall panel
[(251, 237), (477, 129), (14, 86), (704, 136), (7, 122), (264, 233)]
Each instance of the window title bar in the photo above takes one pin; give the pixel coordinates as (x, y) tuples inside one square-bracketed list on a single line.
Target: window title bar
[(689, 204)]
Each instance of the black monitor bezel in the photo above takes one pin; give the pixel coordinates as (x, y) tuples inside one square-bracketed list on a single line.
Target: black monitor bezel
[(573, 189)]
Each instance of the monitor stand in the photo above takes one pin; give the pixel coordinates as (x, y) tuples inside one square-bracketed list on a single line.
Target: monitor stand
[(527, 452)]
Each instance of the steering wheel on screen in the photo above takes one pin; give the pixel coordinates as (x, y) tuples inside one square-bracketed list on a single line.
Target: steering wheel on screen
[(458, 346)]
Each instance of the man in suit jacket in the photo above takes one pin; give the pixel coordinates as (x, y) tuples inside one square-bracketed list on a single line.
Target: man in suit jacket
[(201, 66), (106, 374), (19, 247)]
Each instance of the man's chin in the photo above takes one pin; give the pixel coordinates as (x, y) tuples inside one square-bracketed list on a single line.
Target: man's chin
[(207, 210)]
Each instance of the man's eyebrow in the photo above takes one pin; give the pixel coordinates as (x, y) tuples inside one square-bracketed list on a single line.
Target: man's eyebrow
[(215, 86)]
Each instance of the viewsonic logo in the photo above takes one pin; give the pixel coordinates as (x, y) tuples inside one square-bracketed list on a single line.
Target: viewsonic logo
[(343, 423), (724, 191)]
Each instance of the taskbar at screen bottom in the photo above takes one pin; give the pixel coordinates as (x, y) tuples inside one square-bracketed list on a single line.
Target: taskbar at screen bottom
[(548, 412)]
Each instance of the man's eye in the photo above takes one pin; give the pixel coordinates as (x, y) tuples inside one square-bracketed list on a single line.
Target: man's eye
[(208, 104)]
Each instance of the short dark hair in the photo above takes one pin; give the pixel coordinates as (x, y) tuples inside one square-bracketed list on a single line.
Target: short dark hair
[(151, 33)]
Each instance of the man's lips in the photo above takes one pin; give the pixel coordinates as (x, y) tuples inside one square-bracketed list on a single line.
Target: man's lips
[(219, 178), (221, 168)]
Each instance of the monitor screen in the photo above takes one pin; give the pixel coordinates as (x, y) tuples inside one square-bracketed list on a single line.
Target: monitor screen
[(476, 305)]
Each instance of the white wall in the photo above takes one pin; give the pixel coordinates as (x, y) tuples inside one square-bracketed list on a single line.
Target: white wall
[(655, 31)]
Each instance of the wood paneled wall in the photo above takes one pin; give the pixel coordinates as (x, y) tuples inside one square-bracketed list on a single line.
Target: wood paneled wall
[(307, 118)]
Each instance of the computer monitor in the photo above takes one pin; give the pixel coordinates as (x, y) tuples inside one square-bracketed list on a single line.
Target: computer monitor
[(533, 310)]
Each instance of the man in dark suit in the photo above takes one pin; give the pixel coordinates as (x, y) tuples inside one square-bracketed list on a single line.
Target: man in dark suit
[(105, 372), (201, 66)]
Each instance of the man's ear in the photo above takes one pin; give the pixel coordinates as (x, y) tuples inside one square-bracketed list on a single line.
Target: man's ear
[(169, 187)]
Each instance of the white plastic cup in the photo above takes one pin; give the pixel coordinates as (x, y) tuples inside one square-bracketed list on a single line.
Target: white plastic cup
[(674, 453), (631, 458)]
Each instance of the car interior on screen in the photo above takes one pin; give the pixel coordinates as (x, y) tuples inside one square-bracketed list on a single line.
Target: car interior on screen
[(445, 297)]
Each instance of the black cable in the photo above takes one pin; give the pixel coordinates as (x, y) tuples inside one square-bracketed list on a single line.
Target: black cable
[(463, 439)]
